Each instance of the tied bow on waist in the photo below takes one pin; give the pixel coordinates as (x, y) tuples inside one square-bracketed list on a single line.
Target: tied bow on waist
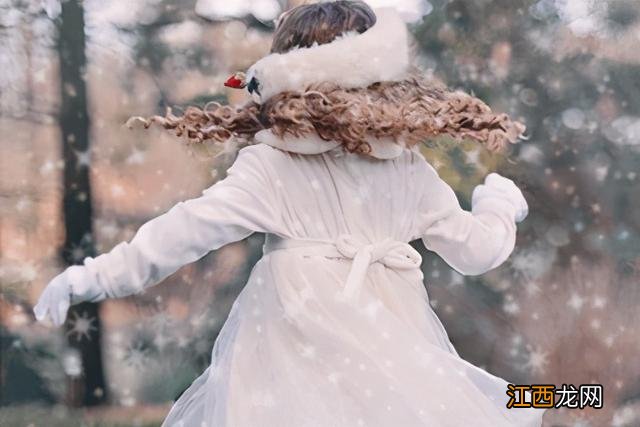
[(390, 253)]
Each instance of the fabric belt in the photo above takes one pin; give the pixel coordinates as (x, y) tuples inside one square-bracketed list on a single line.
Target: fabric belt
[(393, 254)]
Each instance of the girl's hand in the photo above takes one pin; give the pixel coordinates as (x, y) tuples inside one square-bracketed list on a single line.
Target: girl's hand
[(54, 301), (498, 187), (72, 286)]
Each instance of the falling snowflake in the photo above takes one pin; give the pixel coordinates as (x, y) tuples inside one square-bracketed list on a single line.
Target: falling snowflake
[(333, 377), (72, 363), (532, 288), (510, 305), (537, 361), (161, 340), (576, 302), (457, 279), (162, 322), (137, 157), (83, 158), (136, 356), (533, 263), (372, 309), (117, 190), (81, 326), (599, 302)]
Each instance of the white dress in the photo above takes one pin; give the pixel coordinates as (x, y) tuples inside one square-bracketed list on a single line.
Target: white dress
[(334, 327)]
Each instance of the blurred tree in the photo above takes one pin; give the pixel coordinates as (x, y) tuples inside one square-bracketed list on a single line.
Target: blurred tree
[(83, 325)]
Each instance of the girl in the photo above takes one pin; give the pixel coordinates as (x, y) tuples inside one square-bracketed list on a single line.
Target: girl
[(334, 326)]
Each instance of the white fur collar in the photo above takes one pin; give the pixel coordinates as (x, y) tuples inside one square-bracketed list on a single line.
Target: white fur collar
[(353, 60), (383, 148)]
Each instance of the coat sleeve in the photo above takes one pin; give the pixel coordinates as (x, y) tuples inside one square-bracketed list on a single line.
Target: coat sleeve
[(228, 211), (477, 241)]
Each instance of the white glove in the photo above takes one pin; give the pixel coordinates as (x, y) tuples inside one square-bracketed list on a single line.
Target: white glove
[(72, 286), (497, 190)]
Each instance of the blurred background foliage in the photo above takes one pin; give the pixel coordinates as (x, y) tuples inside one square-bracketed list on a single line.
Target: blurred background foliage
[(563, 309)]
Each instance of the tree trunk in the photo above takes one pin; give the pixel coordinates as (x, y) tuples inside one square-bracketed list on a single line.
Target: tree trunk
[(83, 325)]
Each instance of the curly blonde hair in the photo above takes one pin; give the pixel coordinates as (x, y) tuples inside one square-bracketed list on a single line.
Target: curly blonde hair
[(409, 111)]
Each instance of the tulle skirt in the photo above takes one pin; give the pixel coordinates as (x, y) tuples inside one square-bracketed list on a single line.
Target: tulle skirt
[(293, 353)]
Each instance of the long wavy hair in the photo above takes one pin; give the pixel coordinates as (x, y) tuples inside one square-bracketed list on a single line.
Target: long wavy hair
[(409, 111)]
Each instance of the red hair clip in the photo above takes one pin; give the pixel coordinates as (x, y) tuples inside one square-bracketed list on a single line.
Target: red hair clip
[(237, 81)]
